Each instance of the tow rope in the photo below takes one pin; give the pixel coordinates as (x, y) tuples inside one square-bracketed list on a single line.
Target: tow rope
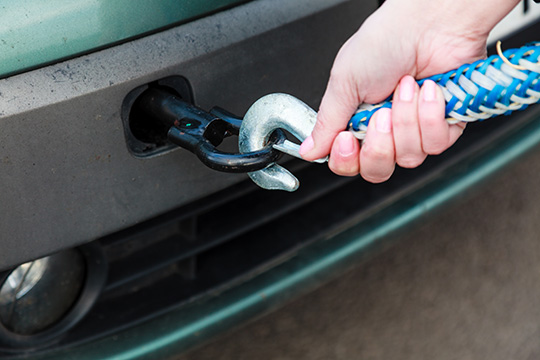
[(486, 88)]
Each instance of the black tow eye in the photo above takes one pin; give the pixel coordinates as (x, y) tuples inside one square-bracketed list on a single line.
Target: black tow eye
[(201, 132)]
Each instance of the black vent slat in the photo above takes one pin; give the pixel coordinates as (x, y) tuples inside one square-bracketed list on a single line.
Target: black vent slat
[(250, 211), (195, 207)]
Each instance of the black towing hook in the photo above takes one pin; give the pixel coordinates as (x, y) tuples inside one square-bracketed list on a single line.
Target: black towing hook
[(201, 132)]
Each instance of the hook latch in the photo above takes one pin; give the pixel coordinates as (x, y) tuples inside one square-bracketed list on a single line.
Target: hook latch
[(268, 114)]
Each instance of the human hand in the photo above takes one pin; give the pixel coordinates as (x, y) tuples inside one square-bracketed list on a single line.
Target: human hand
[(393, 47)]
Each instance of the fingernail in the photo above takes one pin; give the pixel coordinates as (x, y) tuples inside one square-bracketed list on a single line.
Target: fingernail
[(383, 122), (346, 144), (429, 91), (307, 145), (406, 89)]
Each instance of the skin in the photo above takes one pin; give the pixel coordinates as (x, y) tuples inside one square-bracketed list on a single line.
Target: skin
[(402, 41)]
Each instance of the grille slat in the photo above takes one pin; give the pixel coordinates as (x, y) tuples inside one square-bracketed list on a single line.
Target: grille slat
[(228, 221)]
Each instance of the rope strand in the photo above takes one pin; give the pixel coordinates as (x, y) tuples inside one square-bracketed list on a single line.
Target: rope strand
[(486, 88)]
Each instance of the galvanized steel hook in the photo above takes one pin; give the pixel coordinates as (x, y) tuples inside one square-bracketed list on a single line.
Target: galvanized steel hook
[(269, 113)]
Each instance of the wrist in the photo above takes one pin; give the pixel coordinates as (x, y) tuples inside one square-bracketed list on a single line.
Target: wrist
[(462, 17)]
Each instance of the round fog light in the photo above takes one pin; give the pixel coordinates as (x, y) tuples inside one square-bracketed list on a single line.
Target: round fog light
[(37, 294), (41, 299)]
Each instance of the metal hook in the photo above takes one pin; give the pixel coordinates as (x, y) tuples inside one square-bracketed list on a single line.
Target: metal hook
[(269, 113)]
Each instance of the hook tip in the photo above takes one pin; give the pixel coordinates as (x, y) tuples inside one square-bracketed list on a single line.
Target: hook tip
[(275, 177)]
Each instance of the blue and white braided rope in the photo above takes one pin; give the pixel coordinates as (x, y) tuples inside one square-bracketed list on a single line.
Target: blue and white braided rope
[(478, 91)]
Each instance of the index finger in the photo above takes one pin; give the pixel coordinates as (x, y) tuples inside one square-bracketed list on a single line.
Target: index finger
[(337, 107)]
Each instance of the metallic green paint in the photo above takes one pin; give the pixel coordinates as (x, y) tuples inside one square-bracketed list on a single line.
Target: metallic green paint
[(34, 32), (190, 325)]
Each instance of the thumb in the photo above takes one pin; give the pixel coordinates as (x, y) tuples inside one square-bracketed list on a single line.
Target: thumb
[(337, 107)]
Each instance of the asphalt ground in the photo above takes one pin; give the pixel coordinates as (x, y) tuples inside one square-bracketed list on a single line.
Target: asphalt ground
[(465, 284)]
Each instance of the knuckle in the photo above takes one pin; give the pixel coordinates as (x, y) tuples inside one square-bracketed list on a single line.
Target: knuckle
[(403, 118), (376, 179), (344, 166), (323, 132), (341, 67), (410, 161), (378, 153), (462, 125), (431, 122), (435, 147), (320, 125), (337, 72), (377, 175), (340, 83), (343, 170)]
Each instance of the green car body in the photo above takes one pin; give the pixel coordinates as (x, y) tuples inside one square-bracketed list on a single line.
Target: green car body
[(37, 40), (40, 33)]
